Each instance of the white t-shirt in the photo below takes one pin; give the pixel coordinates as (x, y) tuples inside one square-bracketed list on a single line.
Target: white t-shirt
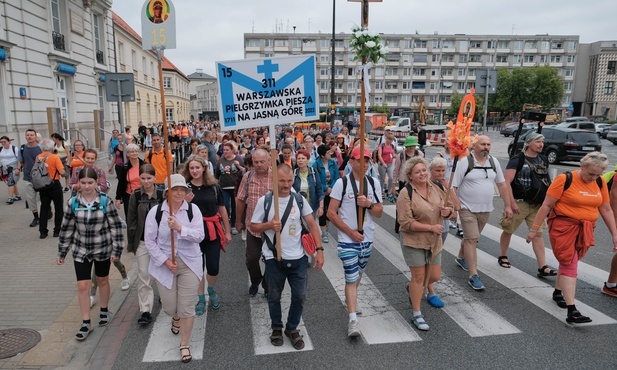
[(8, 157), (348, 211), (291, 243), (476, 190)]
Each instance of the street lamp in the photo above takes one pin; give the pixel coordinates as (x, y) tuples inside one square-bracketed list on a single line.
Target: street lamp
[(332, 101)]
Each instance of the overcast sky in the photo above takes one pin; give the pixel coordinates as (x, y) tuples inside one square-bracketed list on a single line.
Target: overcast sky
[(209, 31)]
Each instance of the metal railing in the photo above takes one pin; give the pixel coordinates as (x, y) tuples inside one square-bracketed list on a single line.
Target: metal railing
[(80, 135), (58, 40)]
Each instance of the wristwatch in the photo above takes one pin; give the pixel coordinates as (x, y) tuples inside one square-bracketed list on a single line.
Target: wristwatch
[(319, 249)]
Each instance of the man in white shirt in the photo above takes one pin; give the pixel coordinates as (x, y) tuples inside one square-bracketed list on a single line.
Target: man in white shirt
[(475, 191), (294, 262), (355, 246)]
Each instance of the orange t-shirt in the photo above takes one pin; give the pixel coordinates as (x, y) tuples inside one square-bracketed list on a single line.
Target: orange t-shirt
[(160, 165), (77, 160), (299, 136), (581, 200), (54, 164), (133, 180)]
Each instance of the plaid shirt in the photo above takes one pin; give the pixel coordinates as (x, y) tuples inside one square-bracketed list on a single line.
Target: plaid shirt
[(257, 188), (92, 234)]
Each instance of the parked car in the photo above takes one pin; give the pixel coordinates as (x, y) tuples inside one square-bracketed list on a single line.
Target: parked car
[(611, 135), (602, 129), (510, 128), (580, 125), (563, 144)]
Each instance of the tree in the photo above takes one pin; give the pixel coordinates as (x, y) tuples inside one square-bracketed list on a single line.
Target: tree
[(382, 109), (455, 105), (536, 85)]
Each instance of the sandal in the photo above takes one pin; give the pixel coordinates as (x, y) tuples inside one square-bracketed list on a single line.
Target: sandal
[(542, 271), (200, 307), (577, 318), (296, 338), (561, 302), (175, 329), (104, 318), (83, 332), (503, 262), (420, 323), (215, 300), (276, 338), (186, 358)]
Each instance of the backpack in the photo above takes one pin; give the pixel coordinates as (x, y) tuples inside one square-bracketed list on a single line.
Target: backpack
[(375, 155), (102, 205), (268, 204), (397, 226), (311, 172), (353, 184), (159, 213), (568, 181), (39, 176), (248, 181), (540, 180), (472, 166), (608, 177)]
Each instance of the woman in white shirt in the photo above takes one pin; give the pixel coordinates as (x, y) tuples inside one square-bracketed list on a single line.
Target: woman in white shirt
[(9, 168)]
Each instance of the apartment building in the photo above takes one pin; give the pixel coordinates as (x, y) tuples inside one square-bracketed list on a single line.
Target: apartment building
[(429, 67), (595, 95), (203, 90), (53, 58), (147, 107)]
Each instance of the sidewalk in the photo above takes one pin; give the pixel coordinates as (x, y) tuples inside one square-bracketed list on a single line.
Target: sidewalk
[(37, 294)]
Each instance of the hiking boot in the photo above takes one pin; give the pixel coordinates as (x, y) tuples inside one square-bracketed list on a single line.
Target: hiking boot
[(352, 329), (475, 283), (461, 262), (609, 291)]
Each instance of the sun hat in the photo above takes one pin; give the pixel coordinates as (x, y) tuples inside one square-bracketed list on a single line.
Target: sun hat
[(176, 180), (411, 141)]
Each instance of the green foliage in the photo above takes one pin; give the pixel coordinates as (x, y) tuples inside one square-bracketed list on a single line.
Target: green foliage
[(382, 109), (539, 85)]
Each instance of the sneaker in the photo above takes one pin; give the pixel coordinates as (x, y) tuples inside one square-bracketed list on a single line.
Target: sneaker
[(609, 291), (34, 222), (253, 290), (145, 319), (91, 301), (452, 224), (244, 235), (66, 189), (324, 237), (420, 323), (461, 262), (234, 231), (459, 232), (475, 283), (126, 284), (43, 235), (17, 197), (56, 234), (352, 329), (9, 201)]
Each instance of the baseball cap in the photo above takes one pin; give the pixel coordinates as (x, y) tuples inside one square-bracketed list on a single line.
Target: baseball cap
[(176, 180), (355, 153)]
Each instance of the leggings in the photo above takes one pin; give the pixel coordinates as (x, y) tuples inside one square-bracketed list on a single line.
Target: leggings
[(211, 255), (83, 269), (323, 220)]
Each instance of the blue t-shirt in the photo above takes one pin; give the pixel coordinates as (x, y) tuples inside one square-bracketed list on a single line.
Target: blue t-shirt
[(29, 156)]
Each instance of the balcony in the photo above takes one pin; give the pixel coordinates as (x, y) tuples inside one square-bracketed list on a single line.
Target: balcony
[(58, 40), (100, 58)]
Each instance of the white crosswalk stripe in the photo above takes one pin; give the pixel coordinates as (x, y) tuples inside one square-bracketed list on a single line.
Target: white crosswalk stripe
[(163, 345)]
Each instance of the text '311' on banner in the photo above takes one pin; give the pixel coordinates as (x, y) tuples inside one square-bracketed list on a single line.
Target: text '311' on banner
[(260, 92)]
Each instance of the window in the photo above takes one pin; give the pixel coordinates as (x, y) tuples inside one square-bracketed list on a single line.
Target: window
[(516, 59), (415, 98), (169, 113), (351, 85), (460, 86), (529, 59), (391, 71), (569, 72), (447, 58), (144, 68), (570, 58), (378, 100), (502, 44), (567, 85), (461, 72), (323, 71), (502, 59), (471, 85), (252, 43), (339, 44), (612, 66), (351, 71), (444, 99), (544, 45), (393, 43), (475, 44), (543, 58), (475, 58), (407, 71), (378, 85), (338, 71), (296, 44), (310, 43), (97, 25), (571, 45), (490, 45), (557, 45), (55, 16), (134, 59), (378, 71), (435, 57), (339, 85), (471, 72), (351, 99), (121, 52), (406, 58), (420, 58), (448, 44), (608, 87), (462, 58), (324, 44), (447, 72), (530, 44), (406, 85), (518, 45), (268, 55), (338, 57), (434, 72), (268, 43), (101, 97), (446, 85), (435, 44), (463, 45), (391, 98), (391, 85), (418, 85), (418, 71), (323, 85), (324, 58), (167, 82), (433, 85), (324, 98), (408, 44), (405, 99), (432, 99), (555, 58), (419, 44)]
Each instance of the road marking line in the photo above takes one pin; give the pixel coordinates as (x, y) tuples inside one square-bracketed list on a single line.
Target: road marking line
[(163, 345), (465, 309), (260, 319), (379, 322)]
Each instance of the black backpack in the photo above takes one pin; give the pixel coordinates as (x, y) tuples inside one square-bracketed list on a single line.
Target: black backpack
[(540, 180)]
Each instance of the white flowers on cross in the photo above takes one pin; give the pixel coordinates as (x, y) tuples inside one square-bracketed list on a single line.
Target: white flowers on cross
[(367, 44)]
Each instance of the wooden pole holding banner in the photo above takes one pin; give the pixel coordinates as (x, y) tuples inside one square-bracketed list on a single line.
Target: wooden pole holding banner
[(275, 189), (159, 54), (361, 133)]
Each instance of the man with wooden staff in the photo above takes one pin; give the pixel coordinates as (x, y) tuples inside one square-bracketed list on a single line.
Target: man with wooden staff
[(354, 246), (291, 264)]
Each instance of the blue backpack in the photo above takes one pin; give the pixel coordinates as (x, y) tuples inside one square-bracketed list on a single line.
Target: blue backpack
[(102, 205)]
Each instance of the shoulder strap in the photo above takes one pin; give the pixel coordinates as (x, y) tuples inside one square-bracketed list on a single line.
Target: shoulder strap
[(190, 211), (521, 162), (568, 181), (470, 164), (372, 182), (409, 191), (159, 214), (267, 206), (150, 156), (74, 204), (248, 181), (492, 162), (14, 150), (344, 187)]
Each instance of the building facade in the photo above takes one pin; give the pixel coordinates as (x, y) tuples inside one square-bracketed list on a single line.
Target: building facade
[(53, 54), (428, 67), (200, 102), (596, 96)]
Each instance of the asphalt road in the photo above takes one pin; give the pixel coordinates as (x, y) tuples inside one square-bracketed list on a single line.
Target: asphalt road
[(512, 324)]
